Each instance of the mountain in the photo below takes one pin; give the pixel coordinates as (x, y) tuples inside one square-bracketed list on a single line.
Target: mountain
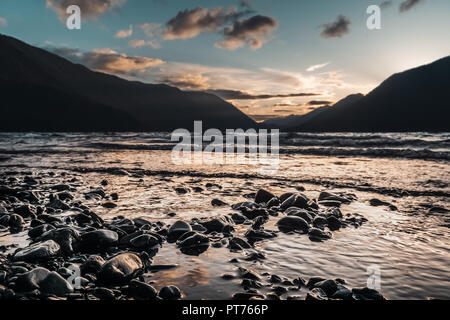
[(414, 100), (292, 121), (45, 92)]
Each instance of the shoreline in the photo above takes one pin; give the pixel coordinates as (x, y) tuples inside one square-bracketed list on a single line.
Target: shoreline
[(60, 241)]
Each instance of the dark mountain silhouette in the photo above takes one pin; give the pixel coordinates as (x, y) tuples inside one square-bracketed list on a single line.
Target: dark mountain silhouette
[(53, 89), (293, 120), (414, 100)]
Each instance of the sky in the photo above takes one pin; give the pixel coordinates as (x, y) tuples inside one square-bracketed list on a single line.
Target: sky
[(269, 58)]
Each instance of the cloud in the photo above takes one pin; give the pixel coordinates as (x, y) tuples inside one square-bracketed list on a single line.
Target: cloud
[(3, 22), (186, 81), (151, 30), (408, 4), (288, 105), (241, 95), (317, 66), (319, 103), (190, 23), (336, 29), (124, 33), (245, 4), (90, 9), (108, 61), (254, 32), (144, 43), (385, 4)]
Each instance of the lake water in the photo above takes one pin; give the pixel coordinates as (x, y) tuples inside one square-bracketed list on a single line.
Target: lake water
[(410, 247)]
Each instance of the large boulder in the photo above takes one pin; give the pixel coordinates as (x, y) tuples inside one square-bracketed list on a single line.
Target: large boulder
[(178, 229), (263, 196), (296, 200), (48, 283), (121, 269), (293, 223), (99, 240), (39, 251)]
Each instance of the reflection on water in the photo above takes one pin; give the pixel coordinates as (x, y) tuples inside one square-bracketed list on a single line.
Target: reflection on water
[(409, 246)]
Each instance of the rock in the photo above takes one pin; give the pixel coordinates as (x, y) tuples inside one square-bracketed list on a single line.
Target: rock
[(57, 204), (39, 251), (65, 196), (16, 222), (255, 256), (316, 294), (218, 203), (39, 230), (199, 228), (92, 265), (296, 200), (258, 223), (318, 235), (291, 223), (170, 293), (178, 229), (342, 293), (367, 294), (245, 296), (333, 223), (82, 218), (328, 286), (109, 205), (144, 241), (159, 267), (140, 222), (319, 221), (251, 210), (99, 240), (98, 194), (263, 196), (301, 213), (181, 191), (3, 210), (326, 196), (248, 274), (251, 284), (238, 244), (48, 283), (378, 203), (25, 211), (238, 218), (227, 276), (60, 187), (273, 203), (275, 279), (279, 290), (312, 281), (66, 237), (121, 269), (256, 235), (330, 203), (142, 291), (104, 294), (216, 225), (193, 243), (4, 220), (285, 196)]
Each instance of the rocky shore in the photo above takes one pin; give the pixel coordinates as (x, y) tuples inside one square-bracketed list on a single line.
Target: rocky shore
[(75, 254)]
